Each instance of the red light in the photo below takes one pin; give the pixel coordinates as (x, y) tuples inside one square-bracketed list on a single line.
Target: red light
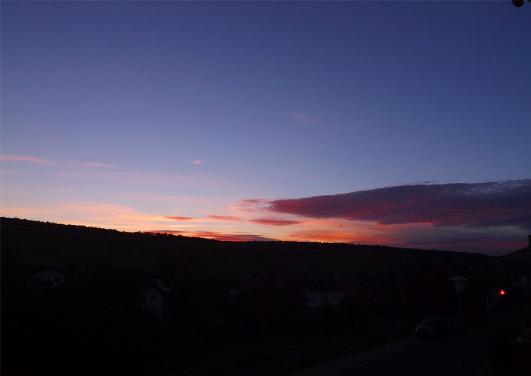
[(502, 292)]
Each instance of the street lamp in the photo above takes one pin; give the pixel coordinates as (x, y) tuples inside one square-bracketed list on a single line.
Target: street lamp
[(459, 284)]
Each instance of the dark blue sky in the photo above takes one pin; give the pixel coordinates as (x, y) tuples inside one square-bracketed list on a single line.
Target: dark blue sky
[(270, 99)]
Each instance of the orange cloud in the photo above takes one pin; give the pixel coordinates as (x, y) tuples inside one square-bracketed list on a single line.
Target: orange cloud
[(100, 214), (323, 236), (229, 237)]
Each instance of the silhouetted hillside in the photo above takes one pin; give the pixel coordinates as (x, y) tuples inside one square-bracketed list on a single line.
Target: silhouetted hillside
[(93, 250), (93, 246), (521, 254)]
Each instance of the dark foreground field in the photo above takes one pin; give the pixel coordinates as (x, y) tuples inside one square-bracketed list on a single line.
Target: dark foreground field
[(78, 300)]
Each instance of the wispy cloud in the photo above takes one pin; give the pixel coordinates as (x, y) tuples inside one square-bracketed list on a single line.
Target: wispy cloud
[(224, 217), (198, 162), (97, 165), (49, 162), (252, 205), (303, 118), (100, 214), (274, 222), (180, 218), (26, 158), (231, 237), (327, 236)]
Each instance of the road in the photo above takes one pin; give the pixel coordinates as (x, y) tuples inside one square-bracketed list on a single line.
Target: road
[(456, 355)]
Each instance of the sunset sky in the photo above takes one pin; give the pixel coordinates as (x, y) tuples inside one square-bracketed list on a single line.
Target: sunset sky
[(400, 123)]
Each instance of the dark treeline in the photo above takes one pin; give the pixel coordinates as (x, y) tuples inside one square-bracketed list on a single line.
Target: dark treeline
[(83, 300)]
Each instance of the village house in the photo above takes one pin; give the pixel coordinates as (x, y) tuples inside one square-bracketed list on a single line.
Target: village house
[(155, 299), (323, 297), (47, 277)]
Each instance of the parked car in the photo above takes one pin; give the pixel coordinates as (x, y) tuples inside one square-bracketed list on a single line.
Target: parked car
[(453, 324), (430, 327)]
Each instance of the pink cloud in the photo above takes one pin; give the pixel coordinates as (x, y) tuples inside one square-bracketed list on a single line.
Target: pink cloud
[(253, 205), (198, 162), (506, 203), (224, 217), (489, 217), (274, 222), (180, 218), (25, 158), (303, 118)]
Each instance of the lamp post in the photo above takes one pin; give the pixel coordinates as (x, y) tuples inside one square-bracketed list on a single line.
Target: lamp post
[(459, 284)]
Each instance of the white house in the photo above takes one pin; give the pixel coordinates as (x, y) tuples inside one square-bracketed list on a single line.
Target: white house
[(155, 300), (520, 281), (323, 298), (47, 277)]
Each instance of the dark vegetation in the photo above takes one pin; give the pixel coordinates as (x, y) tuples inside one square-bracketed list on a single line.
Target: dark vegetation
[(220, 300)]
